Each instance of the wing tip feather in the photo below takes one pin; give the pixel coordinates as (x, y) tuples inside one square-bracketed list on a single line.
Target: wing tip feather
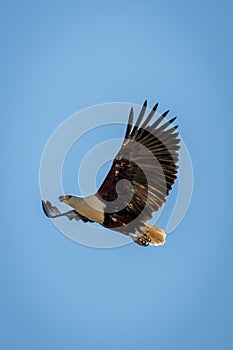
[(44, 208)]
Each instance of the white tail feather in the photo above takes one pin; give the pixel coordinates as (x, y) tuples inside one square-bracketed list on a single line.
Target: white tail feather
[(156, 234)]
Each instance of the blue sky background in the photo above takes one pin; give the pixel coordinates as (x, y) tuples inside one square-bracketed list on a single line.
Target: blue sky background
[(58, 57)]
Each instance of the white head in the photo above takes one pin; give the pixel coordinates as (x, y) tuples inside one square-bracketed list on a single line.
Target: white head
[(69, 199), (91, 207)]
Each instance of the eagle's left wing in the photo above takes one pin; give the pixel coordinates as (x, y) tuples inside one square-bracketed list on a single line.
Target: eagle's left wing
[(148, 161), (53, 212)]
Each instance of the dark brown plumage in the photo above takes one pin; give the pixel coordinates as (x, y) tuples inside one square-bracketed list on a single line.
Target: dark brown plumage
[(143, 145)]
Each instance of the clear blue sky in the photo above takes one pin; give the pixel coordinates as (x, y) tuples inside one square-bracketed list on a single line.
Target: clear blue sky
[(58, 57)]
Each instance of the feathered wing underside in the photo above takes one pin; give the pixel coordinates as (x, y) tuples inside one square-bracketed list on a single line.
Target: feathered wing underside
[(53, 212), (147, 161)]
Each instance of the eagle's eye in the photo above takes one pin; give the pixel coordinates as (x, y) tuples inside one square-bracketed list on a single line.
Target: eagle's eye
[(69, 196)]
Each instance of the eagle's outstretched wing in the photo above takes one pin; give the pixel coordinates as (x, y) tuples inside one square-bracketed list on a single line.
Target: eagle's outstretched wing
[(53, 212), (148, 160)]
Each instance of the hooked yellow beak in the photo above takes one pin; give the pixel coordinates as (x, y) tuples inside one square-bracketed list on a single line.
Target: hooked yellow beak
[(65, 199)]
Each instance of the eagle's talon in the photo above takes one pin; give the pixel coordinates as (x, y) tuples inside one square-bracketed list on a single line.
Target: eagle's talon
[(143, 241)]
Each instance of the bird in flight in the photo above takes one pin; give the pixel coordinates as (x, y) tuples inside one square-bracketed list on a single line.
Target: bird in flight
[(137, 184)]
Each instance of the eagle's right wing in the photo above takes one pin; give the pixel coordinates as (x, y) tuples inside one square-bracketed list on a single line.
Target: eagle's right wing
[(148, 161)]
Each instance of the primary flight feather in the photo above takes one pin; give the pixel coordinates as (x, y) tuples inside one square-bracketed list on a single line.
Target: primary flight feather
[(140, 178)]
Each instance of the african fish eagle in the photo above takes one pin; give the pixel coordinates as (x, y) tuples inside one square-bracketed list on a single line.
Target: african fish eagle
[(147, 162)]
